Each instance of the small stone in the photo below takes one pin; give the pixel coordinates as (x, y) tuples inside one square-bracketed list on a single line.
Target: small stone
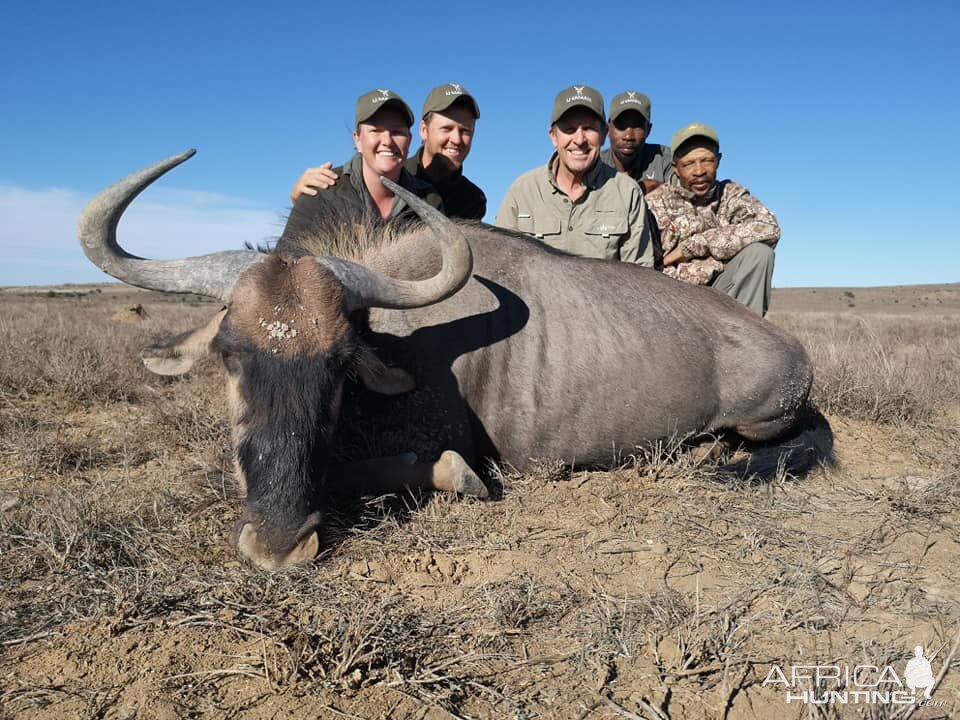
[(354, 679), (828, 566), (858, 591), (132, 313), (446, 566)]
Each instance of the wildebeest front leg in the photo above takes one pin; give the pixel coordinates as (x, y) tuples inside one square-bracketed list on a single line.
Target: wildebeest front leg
[(389, 474)]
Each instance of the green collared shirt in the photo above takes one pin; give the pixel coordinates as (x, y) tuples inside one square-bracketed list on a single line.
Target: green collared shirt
[(461, 198), (655, 162), (607, 222)]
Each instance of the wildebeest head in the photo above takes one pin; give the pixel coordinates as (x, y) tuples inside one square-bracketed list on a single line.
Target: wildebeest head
[(287, 346)]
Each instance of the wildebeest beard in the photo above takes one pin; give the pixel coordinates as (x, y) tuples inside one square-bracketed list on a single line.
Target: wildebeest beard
[(289, 417)]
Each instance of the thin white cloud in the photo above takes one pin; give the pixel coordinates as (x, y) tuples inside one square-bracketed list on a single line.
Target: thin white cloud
[(38, 230)]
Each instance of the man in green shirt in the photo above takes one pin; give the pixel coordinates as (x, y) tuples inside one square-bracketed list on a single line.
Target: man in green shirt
[(447, 126), (576, 203), (629, 127)]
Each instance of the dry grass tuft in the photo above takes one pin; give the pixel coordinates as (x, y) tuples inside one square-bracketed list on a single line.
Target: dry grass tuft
[(882, 369)]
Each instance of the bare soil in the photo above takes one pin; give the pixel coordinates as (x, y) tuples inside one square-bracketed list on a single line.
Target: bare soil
[(658, 590)]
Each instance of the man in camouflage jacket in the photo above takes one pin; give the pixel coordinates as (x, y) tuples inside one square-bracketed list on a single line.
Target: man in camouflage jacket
[(714, 233)]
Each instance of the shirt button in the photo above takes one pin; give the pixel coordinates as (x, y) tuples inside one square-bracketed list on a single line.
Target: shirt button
[(566, 200), (569, 227)]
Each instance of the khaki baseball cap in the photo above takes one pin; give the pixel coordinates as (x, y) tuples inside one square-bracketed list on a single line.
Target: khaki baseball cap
[(691, 131), (443, 96), (369, 103), (630, 100), (577, 96)]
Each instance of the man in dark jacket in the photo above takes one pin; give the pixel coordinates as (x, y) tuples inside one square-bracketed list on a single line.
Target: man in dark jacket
[(446, 131)]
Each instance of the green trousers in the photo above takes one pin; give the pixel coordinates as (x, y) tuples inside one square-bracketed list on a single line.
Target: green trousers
[(747, 277)]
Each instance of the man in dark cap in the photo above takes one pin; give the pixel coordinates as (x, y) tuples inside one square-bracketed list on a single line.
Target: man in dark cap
[(382, 140), (714, 233), (628, 127), (446, 130), (576, 203)]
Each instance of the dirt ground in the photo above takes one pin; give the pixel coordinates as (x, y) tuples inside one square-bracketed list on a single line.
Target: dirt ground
[(657, 590)]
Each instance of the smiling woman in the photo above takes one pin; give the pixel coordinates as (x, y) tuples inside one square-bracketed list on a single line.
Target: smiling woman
[(382, 140)]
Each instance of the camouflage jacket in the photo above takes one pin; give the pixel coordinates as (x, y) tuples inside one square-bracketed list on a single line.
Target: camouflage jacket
[(710, 230)]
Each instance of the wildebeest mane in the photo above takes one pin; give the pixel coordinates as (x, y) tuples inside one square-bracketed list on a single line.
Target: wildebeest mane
[(345, 231)]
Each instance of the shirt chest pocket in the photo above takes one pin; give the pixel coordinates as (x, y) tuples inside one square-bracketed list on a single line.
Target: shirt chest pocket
[(540, 226), (607, 229)]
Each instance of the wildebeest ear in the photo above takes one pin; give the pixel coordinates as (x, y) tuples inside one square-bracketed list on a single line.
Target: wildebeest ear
[(178, 354), (379, 378)]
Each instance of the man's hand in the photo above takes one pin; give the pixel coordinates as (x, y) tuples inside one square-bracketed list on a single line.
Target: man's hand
[(674, 257), (649, 185), (314, 179)]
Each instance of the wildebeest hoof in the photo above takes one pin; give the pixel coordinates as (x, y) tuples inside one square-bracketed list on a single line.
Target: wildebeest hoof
[(464, 480), (709, 451)]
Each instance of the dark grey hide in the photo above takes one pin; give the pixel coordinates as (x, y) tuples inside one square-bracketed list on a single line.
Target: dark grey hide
[(542, 356)]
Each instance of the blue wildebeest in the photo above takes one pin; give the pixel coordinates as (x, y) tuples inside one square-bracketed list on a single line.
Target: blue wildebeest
[(341, 365)]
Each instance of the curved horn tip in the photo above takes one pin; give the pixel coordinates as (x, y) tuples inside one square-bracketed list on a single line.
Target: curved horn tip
[(185, 155)]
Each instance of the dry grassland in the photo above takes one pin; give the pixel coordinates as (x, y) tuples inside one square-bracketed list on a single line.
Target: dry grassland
[(659, 590)]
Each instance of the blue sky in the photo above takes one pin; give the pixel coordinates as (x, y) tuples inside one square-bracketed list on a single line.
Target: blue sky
[(843, 118)]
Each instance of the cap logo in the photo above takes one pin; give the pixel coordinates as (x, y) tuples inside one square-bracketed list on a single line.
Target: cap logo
[(631, 95), (384, 95), (578, 95), (455, 91)]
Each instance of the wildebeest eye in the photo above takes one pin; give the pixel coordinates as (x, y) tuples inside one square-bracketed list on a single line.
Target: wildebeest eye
[(231, 361)]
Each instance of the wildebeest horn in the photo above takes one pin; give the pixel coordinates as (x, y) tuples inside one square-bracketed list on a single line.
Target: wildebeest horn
[(212, 275), (368, 288)]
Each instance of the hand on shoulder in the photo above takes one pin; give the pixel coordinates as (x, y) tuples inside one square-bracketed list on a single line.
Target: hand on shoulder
[(314, 179)]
